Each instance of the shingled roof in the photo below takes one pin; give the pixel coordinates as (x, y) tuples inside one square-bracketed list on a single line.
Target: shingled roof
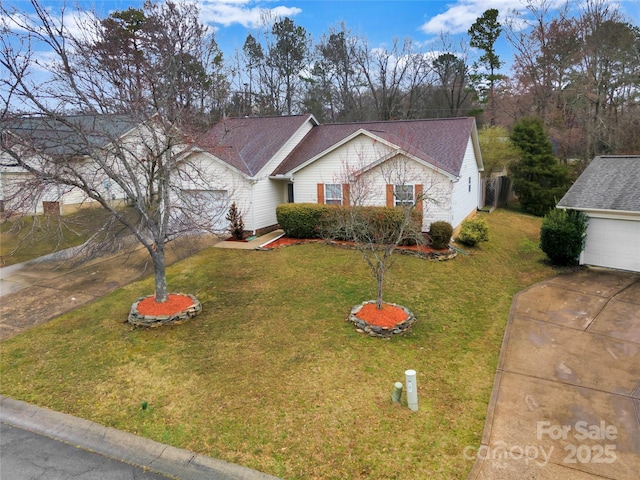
[(441, 142), (608, 183), (68, 135), (247, 144)]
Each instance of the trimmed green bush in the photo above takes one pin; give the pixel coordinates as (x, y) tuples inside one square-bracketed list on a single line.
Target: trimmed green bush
[(473, 232), (563, 235), (362, 224), (440, 234), (301, 220)]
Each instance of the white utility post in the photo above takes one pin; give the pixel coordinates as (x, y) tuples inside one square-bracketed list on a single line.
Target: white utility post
[(412, 389)]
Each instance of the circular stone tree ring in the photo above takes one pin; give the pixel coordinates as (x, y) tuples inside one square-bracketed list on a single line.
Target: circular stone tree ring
[(176, 318), (378, 331)]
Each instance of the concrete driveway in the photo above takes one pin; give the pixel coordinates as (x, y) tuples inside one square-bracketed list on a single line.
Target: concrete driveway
[(566, 397)]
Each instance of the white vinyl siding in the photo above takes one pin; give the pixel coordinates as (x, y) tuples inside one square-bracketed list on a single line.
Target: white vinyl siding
[(465, 194), (267, 193), (333, 167), (203, 174), (362, 151)]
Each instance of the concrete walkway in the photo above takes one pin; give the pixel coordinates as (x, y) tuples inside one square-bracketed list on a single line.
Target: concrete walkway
[(566, 397), (254, 244)]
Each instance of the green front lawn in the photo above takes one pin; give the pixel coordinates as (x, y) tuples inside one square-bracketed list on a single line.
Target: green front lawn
[(272, 377), (29, 237)]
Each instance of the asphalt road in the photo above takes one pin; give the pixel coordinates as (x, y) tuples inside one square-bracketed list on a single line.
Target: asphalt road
[(26, 455)]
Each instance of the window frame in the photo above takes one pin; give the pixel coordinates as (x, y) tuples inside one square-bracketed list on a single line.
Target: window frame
[(333, 200), (403, 202)]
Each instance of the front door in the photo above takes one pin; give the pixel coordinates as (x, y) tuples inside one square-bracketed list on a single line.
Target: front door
[(290, 193)]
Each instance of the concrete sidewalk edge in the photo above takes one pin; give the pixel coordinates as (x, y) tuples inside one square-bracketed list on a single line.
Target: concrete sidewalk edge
[(122, 446)]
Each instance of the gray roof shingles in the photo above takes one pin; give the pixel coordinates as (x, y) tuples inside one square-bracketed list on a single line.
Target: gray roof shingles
[(441, 142), (608, 183), (72, 134)]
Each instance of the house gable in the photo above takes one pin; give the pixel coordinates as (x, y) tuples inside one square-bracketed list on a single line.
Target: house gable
[(340, 165), (398, 152), (336, 146)]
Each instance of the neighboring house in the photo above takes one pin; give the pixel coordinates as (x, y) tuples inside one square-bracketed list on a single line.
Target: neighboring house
[(261, 162), (608, 191), (54, 140), (273, 160)]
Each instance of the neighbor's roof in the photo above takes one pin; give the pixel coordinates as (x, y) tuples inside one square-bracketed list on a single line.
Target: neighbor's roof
[(608, 183), (67, 135), (442, 142), (247, 144)]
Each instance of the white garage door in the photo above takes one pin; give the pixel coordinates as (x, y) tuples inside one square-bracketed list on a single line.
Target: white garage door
[(613, 243), (211, 206)]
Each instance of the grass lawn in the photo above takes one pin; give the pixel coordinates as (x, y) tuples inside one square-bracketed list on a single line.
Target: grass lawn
[(272, 377), (33, 236)]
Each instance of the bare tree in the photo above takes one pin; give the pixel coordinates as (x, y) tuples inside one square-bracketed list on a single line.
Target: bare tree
[(392, 76), (334, 82), (452, 72), (113, 110), (377, 232), (578, 72)]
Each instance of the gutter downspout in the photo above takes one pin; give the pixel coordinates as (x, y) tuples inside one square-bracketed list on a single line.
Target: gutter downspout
[(252, 182)]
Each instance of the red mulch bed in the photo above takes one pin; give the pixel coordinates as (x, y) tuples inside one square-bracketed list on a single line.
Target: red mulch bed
[(389, 316), (286, 241), (175, 303)]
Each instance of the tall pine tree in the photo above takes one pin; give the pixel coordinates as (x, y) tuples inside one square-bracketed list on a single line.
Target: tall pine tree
[(538, 179)]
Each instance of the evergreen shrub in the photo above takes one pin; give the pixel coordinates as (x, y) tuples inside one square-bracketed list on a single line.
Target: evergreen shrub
[(473, 232), (440, 234), (301, 220), (563, 235)]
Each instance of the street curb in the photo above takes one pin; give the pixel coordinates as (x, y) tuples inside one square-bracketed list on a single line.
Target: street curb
[(122, 446)]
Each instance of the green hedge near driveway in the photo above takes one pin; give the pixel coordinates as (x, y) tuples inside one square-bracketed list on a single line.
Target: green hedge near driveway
[(271, 375)]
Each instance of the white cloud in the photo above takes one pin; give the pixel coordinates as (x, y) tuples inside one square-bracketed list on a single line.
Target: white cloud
[(248, 13), (460, 16)]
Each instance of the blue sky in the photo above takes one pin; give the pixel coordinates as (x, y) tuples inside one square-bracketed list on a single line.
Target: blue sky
[(378, 20)]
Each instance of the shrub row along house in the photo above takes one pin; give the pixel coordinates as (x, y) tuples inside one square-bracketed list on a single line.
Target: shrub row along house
[(260, 162)]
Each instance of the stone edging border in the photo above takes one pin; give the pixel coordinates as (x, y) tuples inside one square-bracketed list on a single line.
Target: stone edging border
[(382, 332), (140, 320)]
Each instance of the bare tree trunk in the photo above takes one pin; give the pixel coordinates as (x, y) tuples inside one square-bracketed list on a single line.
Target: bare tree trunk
[(159, 274), (380, 278)]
